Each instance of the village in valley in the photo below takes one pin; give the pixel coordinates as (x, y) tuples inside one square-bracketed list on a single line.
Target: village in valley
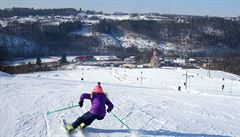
[(57, 62)]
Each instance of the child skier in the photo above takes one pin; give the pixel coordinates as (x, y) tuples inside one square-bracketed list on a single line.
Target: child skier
[(98, 110)]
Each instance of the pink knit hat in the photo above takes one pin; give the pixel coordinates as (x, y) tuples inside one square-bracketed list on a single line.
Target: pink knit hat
[(98, 88)]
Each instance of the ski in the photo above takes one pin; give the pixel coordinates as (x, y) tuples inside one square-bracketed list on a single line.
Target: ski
[(65, 125), (75, 133)]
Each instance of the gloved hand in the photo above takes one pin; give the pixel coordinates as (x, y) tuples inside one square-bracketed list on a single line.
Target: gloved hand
[(109, 110), (80, 103)]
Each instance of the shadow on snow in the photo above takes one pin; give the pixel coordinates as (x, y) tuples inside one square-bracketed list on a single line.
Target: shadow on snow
[(150, 132)]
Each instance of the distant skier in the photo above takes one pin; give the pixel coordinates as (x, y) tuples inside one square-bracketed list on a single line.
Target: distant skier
[(179, 88), (98, 110)]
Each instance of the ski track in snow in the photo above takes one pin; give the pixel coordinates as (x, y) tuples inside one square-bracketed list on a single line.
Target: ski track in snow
[(154, 108)]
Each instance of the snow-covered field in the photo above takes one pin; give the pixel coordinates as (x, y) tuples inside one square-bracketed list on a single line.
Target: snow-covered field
[(153, 108)]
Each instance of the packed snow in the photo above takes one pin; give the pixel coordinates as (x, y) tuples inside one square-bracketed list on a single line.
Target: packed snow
[(147, 100)]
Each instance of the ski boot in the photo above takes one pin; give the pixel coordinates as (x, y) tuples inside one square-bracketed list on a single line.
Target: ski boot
[(82, 125), (69, 128)]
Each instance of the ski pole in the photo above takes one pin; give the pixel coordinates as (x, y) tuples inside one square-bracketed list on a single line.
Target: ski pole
[(50, 112), (121, 121)]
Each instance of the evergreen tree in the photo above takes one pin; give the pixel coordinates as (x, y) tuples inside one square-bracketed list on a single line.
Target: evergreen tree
[(39, 62), (63, 59)]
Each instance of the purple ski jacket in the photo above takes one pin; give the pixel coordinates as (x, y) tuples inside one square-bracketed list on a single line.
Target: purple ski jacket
[(98, 101)]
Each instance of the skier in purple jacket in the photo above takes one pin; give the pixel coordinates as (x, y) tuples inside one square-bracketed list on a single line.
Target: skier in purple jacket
[(98, 110)]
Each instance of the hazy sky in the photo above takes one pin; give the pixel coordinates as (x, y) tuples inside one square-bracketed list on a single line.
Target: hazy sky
[(189, 7)]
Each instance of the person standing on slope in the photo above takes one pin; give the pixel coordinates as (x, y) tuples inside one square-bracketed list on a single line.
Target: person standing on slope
[(98, 110)]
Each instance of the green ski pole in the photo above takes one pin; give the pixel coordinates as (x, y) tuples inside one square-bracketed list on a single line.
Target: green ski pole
[(50, 112), (121, 121)]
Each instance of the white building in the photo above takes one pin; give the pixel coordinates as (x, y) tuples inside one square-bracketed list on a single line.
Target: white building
[(180, 61), (106, 58), (130, 60)]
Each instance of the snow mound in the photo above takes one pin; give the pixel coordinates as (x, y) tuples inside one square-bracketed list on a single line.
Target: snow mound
[(3, 74)]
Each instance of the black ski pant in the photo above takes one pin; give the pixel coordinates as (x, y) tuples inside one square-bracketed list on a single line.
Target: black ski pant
[(87, 118)]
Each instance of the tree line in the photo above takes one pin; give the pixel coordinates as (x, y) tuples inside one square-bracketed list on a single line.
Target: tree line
[(51, 40), (222, 31), (10, 12)]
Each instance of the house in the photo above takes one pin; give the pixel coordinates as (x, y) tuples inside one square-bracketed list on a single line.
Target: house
[(130, 60), (106, 58), (179, 61), (83, 58), (128, 66)]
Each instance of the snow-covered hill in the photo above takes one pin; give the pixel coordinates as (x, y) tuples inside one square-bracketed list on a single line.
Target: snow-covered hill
[(16, 45), (134, 40), (85, 31), (153, 108)]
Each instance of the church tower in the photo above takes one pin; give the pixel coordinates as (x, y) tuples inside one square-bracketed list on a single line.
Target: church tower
[(154, 59)]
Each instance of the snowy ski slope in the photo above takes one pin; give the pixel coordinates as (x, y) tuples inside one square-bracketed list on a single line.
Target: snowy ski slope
[(153, 108)]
